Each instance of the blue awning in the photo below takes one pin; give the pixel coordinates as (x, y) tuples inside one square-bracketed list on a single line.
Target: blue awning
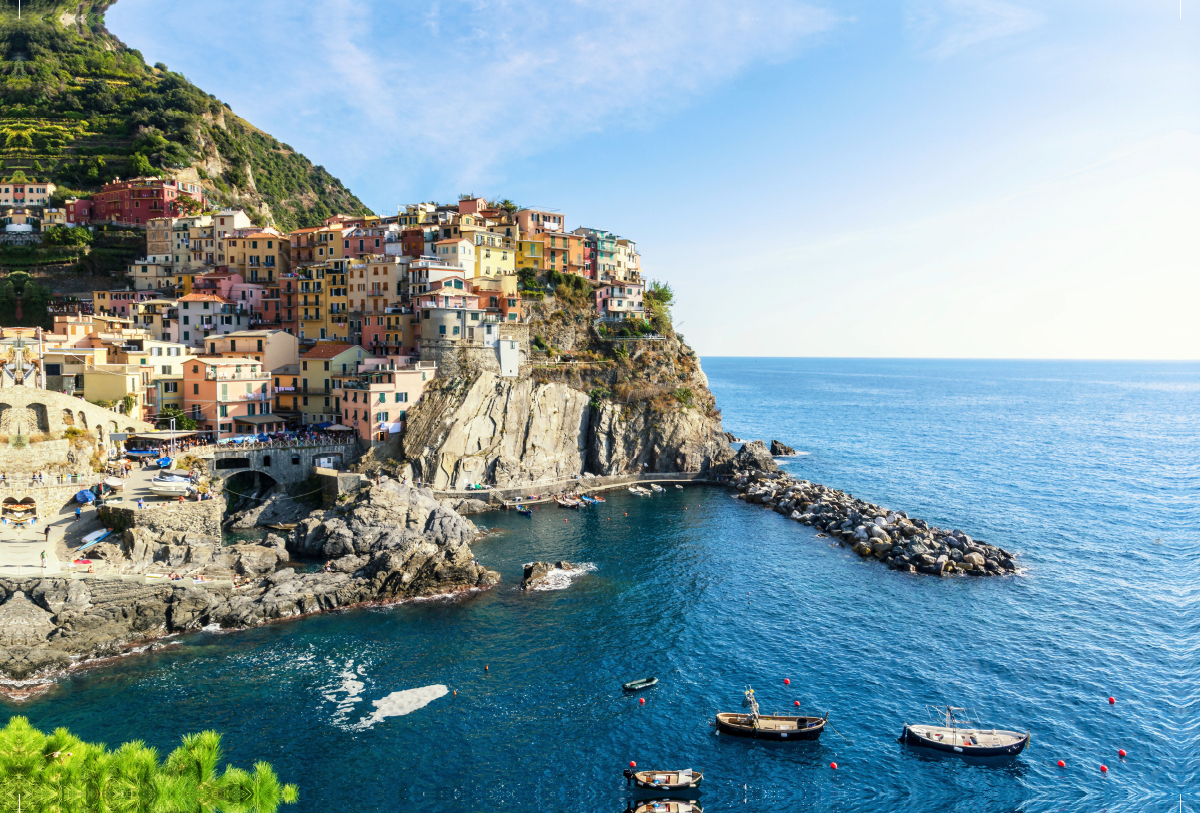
[(85, 497), (324, 425)]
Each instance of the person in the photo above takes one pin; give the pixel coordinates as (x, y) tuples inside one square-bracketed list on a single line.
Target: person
[(78, 512), (43, 560), (47, 532), (141, 503)]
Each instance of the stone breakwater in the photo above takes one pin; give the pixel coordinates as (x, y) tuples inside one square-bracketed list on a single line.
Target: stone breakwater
[(389, 543), (891, 537)]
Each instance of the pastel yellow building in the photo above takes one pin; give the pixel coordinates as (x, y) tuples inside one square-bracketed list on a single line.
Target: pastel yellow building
[(531, 254)]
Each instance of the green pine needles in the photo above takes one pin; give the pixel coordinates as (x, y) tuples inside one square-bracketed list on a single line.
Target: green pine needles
[(60, 773)]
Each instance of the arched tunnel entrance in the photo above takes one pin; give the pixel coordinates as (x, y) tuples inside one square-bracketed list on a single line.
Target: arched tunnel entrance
[(246, 489)]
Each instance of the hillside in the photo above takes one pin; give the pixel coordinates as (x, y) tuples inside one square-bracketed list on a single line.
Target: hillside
[(78, 106)]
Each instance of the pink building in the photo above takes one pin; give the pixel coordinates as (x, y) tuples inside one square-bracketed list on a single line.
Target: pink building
[(79, 211), (623, 301), (536, 221), (229, 396), (219, 283), (375, 400)]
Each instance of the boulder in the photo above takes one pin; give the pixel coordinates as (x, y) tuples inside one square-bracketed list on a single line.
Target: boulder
[(974, 558), (754, 454), (781, 449)]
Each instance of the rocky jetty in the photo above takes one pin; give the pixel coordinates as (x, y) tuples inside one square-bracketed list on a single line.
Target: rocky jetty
[(874, 532), (390, 542), (539, 573), (781, 449)]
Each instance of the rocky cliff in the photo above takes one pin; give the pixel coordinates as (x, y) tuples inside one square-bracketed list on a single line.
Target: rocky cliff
[(391, 542), (588, 405)]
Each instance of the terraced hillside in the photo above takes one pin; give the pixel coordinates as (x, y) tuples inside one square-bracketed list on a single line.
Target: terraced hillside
[(78, 106)]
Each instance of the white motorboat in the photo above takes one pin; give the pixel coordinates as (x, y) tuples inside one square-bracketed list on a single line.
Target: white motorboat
[(170, 486), (657, 487)]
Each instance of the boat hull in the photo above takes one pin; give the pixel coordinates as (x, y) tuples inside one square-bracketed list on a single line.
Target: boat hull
[(911, 737), (665, 806), (805, 729), (644, 780), (638, 685)]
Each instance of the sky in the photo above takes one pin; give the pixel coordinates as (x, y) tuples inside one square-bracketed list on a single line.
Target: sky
[(918, 178)]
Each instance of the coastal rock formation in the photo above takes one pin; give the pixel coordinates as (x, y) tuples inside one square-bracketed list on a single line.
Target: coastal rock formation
[(754, 456), (873, 532), (732, 438), (537, 573), (781, 449), (391, 542), (516, 431)]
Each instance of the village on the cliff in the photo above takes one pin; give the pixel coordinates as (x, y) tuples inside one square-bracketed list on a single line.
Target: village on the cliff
[(231, 331)]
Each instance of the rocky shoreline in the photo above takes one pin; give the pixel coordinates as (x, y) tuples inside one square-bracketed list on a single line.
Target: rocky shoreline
[(388, 543), (891, 537)]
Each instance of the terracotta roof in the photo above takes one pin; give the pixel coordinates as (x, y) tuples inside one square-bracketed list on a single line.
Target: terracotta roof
[(327, 351), (205, 298)]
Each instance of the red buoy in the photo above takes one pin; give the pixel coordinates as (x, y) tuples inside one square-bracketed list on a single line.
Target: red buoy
[(1121, 753), (632, 764), (797, 702), (833, 765), (1112, 701), (642, 701), (1103, 769), (1062, 764), (485, 667), (787, 682)]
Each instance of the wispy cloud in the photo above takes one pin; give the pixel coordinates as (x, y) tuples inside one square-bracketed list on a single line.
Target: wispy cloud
[(942, 28), (471, 81)]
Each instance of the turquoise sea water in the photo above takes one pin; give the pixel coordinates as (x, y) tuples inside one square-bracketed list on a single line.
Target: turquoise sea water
[(1089, 471)]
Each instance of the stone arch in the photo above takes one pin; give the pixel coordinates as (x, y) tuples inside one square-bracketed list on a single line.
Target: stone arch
[(68, 418), (112, 427), (41, 415), (129, 430), (83, 419)]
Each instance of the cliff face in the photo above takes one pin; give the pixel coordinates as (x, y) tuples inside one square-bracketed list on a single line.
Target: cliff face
[(517, 431)]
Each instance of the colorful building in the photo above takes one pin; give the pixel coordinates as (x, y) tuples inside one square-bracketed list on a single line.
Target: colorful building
[(229, 396), (139, 200), (376, 397)]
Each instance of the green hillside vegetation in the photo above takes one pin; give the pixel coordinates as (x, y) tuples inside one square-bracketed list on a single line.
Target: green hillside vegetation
[(79, 107), (60, 773)]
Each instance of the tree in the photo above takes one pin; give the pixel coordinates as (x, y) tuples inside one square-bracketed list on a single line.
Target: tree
[(34, 299), (61, 772), (58, 235), (182, 421), (8, 302), (189, 206), (138, 166)]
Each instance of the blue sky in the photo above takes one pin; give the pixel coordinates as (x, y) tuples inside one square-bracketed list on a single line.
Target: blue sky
[(938, 178)]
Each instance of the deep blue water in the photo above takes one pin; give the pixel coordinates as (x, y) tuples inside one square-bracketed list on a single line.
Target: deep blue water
[(1089, 471)]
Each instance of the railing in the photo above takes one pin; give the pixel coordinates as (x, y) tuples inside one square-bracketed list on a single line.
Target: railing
[(237, 376)]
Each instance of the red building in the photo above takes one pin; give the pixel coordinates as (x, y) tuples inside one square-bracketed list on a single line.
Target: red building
[(79, 211), (135, 201)]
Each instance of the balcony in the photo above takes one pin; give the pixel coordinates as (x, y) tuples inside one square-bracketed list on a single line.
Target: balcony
[(209, 375)]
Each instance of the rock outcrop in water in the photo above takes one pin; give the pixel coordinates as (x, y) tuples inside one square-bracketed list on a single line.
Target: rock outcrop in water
[(781, 449), (891, 537), (392, 542)]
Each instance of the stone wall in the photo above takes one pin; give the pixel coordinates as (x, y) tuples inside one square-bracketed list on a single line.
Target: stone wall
[(468, 360), (39, 410), (190, 518), (47, 456)]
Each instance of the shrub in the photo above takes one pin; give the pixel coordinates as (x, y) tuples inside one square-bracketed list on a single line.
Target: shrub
[(72, 432), (19, 441), (684, 396)]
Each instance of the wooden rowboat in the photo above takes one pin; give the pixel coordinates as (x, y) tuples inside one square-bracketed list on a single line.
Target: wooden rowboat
[(665, 806), (960, 736), (282, 526), (665, 780), (639, 684), (776, 727)]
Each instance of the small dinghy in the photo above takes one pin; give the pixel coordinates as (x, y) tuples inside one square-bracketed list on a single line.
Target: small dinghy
[(638, 685), (657, 487), (679, 487), (523, 511), (665, 806), (598, 498), (778, 727), (567, 502), (282, 526), (665, 780), (959, 735)]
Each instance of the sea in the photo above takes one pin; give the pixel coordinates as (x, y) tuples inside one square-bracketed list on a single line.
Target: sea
[(507, 700)]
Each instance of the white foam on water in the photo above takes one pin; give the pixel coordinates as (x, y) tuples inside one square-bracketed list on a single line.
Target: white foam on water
[(561, 579), (398, 704), (346, 693)]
